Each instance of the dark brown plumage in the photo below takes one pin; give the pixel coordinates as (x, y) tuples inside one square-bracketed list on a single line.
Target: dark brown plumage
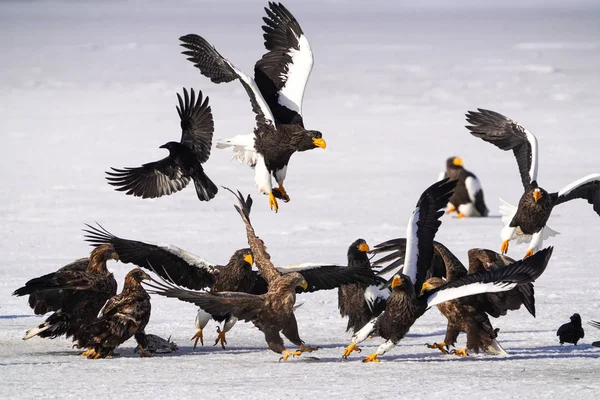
[(527, 222), (467, 199), (361, 302), (124, 315), (185, 269), (185, 159), (276, 94), (75, 294), (572, 331)]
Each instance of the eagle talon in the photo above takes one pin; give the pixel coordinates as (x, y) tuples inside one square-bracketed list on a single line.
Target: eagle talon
[(460, 215), (198, 336), (461, 352), (220, 338), (87, 352), (273, 202), (280, 193), (504, 248), (450, 210), (528, 254), (440, 346), (348, 350), (371, 358), (287, 354), (308, 349)]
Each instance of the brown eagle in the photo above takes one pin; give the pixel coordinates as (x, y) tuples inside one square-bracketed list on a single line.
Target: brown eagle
[(187, 270), (408, 301), (124, 315), (468, 314), (75, 294), (276, 93), (527, 221), (361, 302), (273, 311)]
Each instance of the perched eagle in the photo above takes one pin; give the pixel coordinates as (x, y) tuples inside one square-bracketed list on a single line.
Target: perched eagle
[(527, 221), (361, 302), (467, 314), (124, 315), (273, 311), (276, 94), (185, 159), (74, 294), (467, 199), (187, 270), (408, 301)]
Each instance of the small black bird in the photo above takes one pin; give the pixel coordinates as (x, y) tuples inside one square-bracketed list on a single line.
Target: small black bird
[(185, 159), (572, 331)]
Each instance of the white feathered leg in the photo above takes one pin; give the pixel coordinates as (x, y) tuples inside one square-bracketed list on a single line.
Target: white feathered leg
[(226, 327), (536, 242), (202, 319), (262, 178), (360, 336)]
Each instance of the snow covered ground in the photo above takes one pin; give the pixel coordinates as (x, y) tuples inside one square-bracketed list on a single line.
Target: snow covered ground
[(88, 85)]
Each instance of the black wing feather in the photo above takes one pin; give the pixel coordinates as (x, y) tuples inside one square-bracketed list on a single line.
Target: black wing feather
[(197, 125), (589, 191)]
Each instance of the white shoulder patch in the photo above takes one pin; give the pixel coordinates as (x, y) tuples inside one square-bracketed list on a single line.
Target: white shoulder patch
[(579, 182), (473, 187), (188, 257), (298, 267), (292, 93), (260, 100), (534, 154), (412, 250), (375, 293), (445, 295)]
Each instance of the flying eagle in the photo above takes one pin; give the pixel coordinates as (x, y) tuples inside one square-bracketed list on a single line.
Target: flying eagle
[(408, 301), (467, 199), (361, 302), (124, 315), (74, 294), (467, 314), (187, 270), (276, 94), (185, 159), (273, 311), (527, 221)]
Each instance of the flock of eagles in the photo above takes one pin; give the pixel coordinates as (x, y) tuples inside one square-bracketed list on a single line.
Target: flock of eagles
[(82, 296)]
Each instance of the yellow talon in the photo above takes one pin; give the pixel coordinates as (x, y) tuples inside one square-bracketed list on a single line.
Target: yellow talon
[(220, 338), (440, 346), (504, 248), (450, 209), (308, 349), (283, 193), (352, 347), (529, 253), (273, 202), (87, 351), (461, 352), (371, 358), (460, 215), (287, 354), (198, 336)]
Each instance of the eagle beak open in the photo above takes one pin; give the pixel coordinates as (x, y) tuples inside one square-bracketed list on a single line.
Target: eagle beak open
[(363, 247), (397, 281), (457, 161), (248, 258), (304, 284), (114, 256), (320, 143), (537, 194)]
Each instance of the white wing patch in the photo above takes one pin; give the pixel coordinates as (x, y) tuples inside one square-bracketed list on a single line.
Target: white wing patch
[(292, 93), (473, 187), (298, 267), (374, 293), (412, 249), (579, 182), (445, 295), (262, 177), (534, 154), (264, 107), (188, 257), (243, 148)]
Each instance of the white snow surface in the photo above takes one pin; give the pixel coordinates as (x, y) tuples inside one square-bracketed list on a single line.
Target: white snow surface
[(89, 85)]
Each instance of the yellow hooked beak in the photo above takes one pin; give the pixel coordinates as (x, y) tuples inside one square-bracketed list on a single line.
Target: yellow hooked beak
[(114, 256), (457, 161), (397, 281), (248, 258), (363, 247), (304, 284), (537, 194), (320, 143), (425, 287)]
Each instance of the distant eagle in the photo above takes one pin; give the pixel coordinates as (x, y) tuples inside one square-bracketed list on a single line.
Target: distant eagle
[(124, 315), (276, 94), (75, 294), (187, 270), (468, 314), (408, 301), (527, 221), (467, 199), (361, 302), (273, 311), (185, 159)]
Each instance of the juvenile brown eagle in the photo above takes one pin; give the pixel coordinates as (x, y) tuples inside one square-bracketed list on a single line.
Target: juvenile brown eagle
[(527, 221), (74, 294), (276, 94)]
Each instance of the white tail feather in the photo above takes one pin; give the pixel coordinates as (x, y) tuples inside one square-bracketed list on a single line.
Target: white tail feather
[(243, 148), (495, 349), (36, 331)]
